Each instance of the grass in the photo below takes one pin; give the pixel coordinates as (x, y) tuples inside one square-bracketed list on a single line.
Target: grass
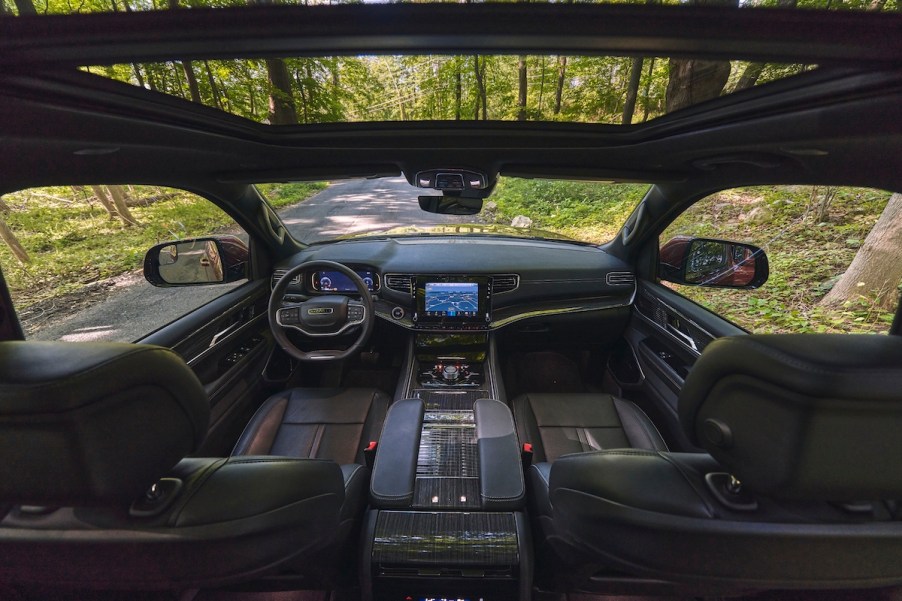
[(806, 255), (72, 242), (587, 211)]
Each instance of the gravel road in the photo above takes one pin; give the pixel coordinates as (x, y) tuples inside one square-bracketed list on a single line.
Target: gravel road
[(133, 308)]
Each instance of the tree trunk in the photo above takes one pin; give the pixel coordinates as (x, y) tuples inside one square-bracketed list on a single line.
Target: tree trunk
[(749, 76), (13, 243), (561, 72), (138, 75), (521, 99), (214, 90), (25, 7), (193, 88), (646, 98), (187, 67), (481, 96), (111, 198), (877, 268), (693, 81), (281, 101), (119, 202), (105, 200), (632, 91)]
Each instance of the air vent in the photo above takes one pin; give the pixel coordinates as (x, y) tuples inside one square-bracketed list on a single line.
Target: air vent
[(400, 283), (505, 283), (620, 278), (278, 274)]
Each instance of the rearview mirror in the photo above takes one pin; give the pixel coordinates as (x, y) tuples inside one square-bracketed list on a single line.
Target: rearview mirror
[(197, 261), (451, 205), (713, 263)]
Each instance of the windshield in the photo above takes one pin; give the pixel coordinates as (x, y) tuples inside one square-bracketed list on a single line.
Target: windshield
[(590, 212)]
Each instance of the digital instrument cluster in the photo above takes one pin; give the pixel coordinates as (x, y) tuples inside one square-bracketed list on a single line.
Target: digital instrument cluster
[(335, 281)]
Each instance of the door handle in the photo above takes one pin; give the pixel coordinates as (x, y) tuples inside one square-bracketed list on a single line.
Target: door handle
[(223, 333)]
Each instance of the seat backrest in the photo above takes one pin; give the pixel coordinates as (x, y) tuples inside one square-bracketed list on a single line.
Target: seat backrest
[(96, 493), (805, 416), (808, 424)]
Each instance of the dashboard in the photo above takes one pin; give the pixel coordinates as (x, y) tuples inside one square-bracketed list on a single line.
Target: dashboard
[(449, 283)]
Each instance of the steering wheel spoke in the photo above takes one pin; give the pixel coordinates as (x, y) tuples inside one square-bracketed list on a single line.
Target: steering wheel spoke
[(357, 313), (289, 315)]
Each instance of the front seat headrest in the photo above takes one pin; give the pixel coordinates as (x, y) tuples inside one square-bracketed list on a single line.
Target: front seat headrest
[(93, 423), (804, 416)]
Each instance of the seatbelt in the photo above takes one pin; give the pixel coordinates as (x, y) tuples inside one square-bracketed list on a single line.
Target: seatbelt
[(526, 455), (369, 454)]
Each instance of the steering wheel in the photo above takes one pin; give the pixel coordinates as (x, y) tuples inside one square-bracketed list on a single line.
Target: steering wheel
[(321, 316)]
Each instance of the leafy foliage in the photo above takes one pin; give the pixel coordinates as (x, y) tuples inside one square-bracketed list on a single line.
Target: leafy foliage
[(806, 255), (587, 211), (67, 233)]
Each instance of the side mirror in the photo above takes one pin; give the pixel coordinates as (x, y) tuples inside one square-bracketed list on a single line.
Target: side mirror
[(197, 261), (713, 263)]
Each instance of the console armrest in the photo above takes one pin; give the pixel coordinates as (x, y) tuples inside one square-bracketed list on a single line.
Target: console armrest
[(395, 469), (500, 468)]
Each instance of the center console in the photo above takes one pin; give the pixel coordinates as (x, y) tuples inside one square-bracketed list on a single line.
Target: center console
[(447, 487)]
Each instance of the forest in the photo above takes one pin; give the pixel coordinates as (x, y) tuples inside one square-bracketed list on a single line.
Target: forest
[(586, 89)]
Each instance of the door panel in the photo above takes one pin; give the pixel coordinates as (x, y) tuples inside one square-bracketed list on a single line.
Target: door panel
[(665, 336), (227, 343)]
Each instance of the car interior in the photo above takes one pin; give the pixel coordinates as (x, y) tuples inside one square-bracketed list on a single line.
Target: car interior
[(446, 417)]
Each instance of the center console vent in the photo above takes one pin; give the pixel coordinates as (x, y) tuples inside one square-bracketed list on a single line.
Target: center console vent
[(399, 282), (505, 283)]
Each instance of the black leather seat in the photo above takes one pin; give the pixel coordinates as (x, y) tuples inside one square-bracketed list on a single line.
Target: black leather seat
[(321, 423), (800, 489), (86, 429), (559, 424)]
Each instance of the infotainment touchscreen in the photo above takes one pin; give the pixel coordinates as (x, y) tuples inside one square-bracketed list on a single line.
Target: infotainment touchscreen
[(451, 299)]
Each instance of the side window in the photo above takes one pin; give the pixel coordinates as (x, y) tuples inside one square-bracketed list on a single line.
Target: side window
[(73, 258), (835, 256)]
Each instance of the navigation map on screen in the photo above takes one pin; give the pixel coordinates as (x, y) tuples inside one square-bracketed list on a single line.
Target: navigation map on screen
[(452, 299)]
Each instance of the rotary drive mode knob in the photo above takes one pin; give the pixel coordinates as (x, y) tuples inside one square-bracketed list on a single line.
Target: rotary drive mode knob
[(450, 373)]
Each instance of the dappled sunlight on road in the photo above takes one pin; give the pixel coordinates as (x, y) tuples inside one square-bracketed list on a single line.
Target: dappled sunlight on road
[(91, 334), (357, 206)]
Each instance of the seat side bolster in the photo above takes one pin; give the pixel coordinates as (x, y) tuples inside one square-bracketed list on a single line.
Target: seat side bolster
[(639, 429), (395, 469), (260, 433), (668, 483), (246, 486)]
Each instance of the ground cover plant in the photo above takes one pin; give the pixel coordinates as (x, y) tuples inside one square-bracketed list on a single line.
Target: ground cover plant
[(66, 233), (811, 235)]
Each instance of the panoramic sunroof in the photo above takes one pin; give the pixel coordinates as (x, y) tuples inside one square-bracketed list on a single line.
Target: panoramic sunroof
[(579, 89)]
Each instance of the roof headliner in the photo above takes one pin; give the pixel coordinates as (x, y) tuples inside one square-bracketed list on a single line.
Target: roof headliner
[(840, 124)]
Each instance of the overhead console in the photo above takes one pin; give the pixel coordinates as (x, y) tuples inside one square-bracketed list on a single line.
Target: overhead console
[(452, 302)]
